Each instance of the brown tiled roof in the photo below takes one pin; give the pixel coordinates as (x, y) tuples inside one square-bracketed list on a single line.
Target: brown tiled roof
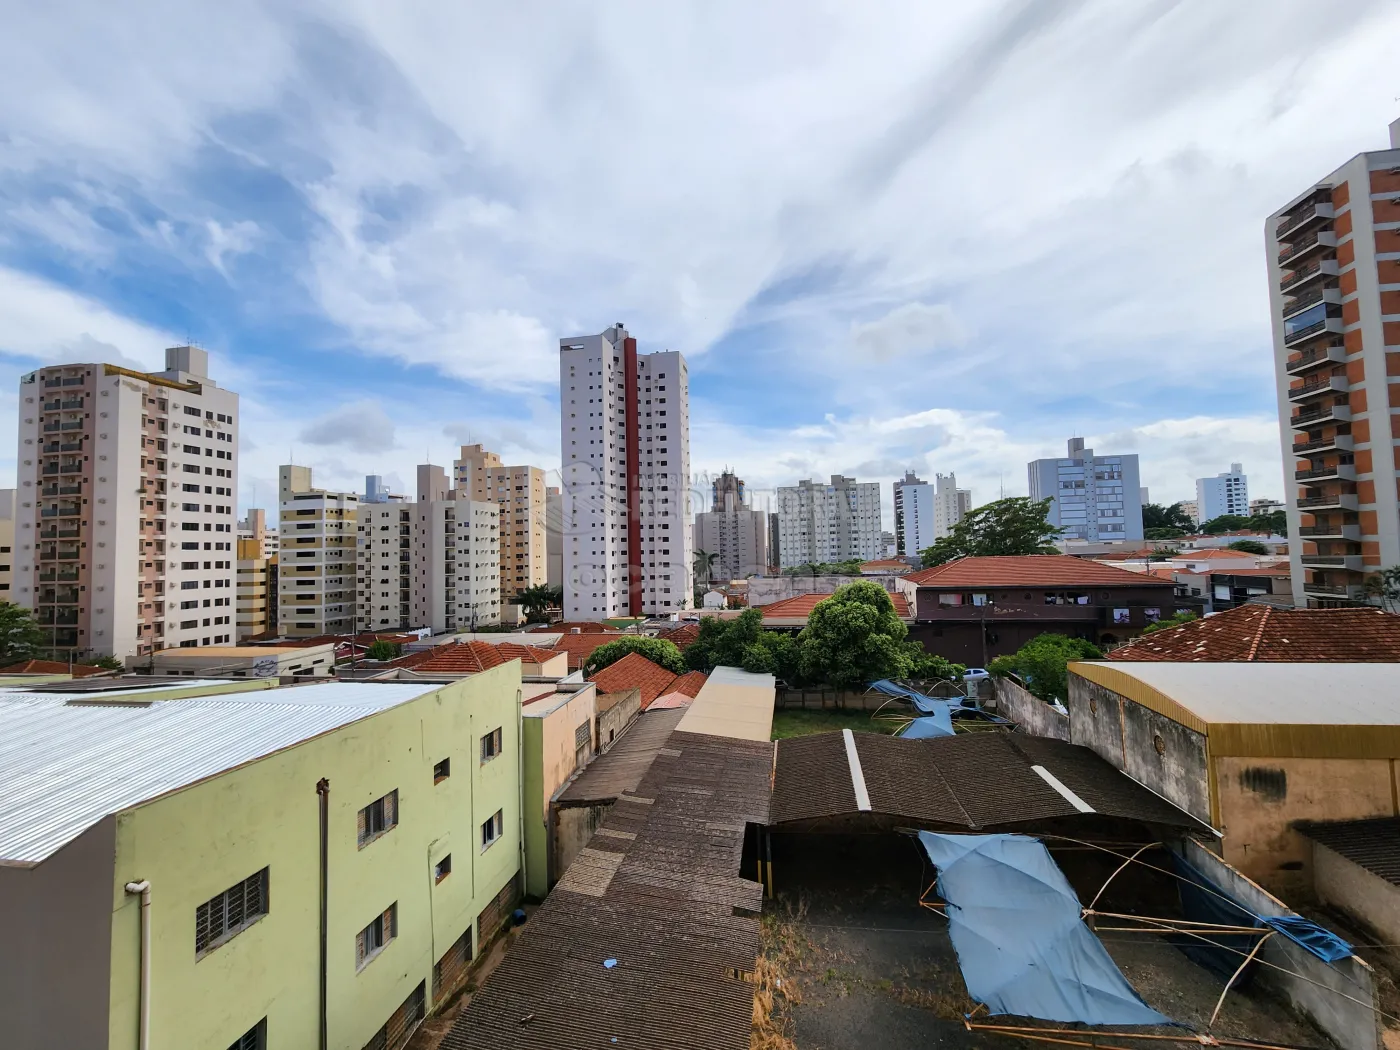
[(1211, 554), (1374, 844), (972, 780), (883, 563), (529, 653), (682, 637), (461, 658), (657, 889), (800, 606), (689, 683), (1028, 570), (635, 671), (51, 667), (580, 646), (1269, 635)]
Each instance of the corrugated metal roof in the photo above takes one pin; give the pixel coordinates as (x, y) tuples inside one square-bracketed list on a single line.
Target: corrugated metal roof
[(66, 763), (1373, 843), (733, 703)]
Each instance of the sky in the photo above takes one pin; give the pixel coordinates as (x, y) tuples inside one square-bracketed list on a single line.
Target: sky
[(887, 236)]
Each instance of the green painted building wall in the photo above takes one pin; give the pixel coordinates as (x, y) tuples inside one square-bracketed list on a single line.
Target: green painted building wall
[(197, 842)]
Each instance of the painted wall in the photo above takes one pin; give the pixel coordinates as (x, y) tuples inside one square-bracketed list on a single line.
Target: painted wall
[(622, 708), (1261, 797), (1032, 714), (1370, 900), (548, 761), (53, 970), (573, 827), (195, 843)]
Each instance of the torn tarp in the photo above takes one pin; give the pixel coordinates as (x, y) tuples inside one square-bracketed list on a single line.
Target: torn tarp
[(937, 723), (1022, 946)]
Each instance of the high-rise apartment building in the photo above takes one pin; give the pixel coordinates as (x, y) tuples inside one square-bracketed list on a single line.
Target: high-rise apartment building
[(625, 455), (125, 520), (432, 563), (377, 492), (736, 536), (835, 522), (913, 514), (1191, 509), (255, 606), (316, 572), (520, 493), (1226, 493), (1092, 497), (950, 504), (255, 526), (554, 537), (1334, 294), (7, 544)]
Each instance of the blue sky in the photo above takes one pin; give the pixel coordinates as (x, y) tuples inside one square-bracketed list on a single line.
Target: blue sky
[(885, 235)]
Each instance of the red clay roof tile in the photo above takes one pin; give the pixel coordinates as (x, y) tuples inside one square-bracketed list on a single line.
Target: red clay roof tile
[(800, 606), (635, 671), (1029, 570), (1263, 633)]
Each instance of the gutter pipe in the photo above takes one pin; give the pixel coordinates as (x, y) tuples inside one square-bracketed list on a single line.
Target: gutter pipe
[(144, 1024)]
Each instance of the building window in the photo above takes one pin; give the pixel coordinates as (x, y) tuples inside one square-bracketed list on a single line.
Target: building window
[(375, 937), (442, 770), (254, 1038), (442, 868), (490, 745), (491, 830), (380, 816), (230, 913)]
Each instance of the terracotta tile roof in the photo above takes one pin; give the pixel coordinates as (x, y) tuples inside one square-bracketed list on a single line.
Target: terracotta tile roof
[(1028, 570), (635, 671), (532, 654), (1212, 553), (1244, 570), (800, 606), (689, 683), (461, 658), (51, 667), (1262, 633), (580, 646), (681, 637), (882, 563)]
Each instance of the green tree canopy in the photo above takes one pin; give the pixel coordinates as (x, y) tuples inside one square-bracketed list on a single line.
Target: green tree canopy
[(826, 568), (20, 636), (1162, 534), (854, 637), (538, 599), (1174, 620), (1384, 586), (1249, 547), (657, 650), (382, 650), (742, 642), (1017, 525), (1225, 523), (1042, 663), (1156, 516)]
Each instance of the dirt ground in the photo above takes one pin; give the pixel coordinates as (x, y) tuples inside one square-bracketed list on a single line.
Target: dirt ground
[(852, 961)]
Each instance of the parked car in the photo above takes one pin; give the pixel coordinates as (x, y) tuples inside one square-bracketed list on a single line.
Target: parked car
[(975, 674)]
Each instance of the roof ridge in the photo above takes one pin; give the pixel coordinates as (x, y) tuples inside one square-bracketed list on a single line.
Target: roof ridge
[(1258, 635)]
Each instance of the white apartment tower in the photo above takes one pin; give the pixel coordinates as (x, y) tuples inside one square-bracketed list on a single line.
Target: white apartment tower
[(1092, 497), (1226, 493), (124, 517), (625, 455), (835, 522), (316, 564), (950, 503), (1334, 297), (734, 534), (913, 515)]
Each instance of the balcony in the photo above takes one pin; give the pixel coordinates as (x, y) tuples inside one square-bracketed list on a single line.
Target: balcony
[(1335, 501), (1319, 385), (1316, 211), (1333, 590), (1349, 562), (1316, 414), (1318, 328), (1302, 275), (1309, 298), (1337, 471), (1331, 532), (1339, 442), (1305, 246)]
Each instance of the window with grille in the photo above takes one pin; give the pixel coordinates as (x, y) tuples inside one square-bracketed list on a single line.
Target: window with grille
[(397, 1030), (230, 913), (450, 971), (442, 770), (378, 817), (491, 830), (491, 745), (375, 937), (254, 1038)]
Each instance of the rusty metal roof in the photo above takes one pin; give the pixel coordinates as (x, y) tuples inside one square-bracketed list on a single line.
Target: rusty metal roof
[(656, 889)]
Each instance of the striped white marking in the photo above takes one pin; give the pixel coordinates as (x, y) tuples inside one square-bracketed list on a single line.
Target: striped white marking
[(1065, 793), (857, 777)]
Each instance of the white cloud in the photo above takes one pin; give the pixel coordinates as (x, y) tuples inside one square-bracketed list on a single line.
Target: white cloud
[(49, 324), (363, 426), (236, 238), (909, 329)]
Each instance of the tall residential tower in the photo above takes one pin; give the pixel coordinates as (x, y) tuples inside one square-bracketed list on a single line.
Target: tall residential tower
[(1226, 493), (734, 535), (839, 521), (625, 461), (1094, 498), (1334, 296)]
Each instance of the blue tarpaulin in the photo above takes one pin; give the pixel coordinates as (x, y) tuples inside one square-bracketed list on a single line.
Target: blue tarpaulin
[(940, 723), (1023, 949), (926, 704)]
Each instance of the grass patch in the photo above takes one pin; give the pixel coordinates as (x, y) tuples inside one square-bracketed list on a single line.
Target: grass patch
[(789, 722)]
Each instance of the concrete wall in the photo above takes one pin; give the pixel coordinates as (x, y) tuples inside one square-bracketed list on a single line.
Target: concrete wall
[(573, 827), (58, 931), (550, 758), (1371, 901), (194, 844), (1127, 736), (1323, 992), (621, 709), (1032, 714), (1260, 798)]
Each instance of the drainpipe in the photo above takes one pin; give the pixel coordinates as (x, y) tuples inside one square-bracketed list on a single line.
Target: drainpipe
[(520, 782), (323, 794), (144, 1026)]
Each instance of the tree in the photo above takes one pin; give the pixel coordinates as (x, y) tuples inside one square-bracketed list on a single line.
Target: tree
[(1008, 526), (1384, 586), (20, 636), (1156, 516), (538, 599), (928, 667), (1226, 523), (742, 642), (826, 568), (704, 568), (1042, 663), (1176, 619), (854, 637), (1249, 547), (383, 650), (1274, 522), (1162, 534), (657, 650)]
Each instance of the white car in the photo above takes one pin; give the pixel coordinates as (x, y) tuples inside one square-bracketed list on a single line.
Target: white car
[(975, 674)]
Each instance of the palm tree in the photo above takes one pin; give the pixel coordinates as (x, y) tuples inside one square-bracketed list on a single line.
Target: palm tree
[(704, 567), (538, 598)]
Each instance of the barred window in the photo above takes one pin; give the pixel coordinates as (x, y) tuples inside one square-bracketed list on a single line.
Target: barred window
[(491, 745), (230, 913), (254, 1038), (379, 816), (375, 937), (491, 830)]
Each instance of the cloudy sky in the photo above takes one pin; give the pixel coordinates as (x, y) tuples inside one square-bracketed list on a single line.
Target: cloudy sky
[(936, 236)]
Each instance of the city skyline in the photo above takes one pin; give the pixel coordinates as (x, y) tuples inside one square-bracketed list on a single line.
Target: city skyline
[(344, 255)]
